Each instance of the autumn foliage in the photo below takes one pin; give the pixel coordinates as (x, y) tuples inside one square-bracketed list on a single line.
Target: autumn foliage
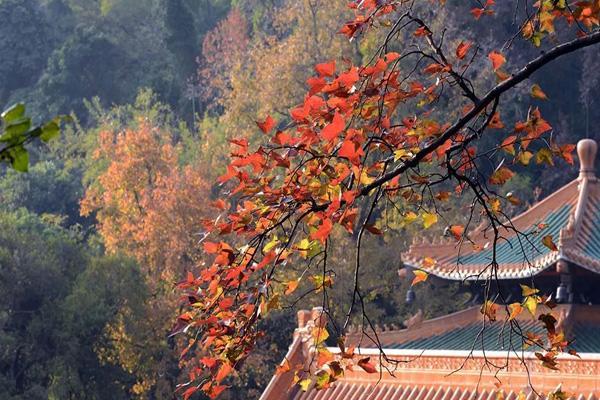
[(367, 138), (146, 204)]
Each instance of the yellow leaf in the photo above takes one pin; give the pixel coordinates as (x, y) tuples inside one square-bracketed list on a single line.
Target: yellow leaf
[(291, 286), (525, 157), (271, 245), (528, 291), (320, 335), (538, 93), (429, 219), (544, 155), (365, 179), (549, 243), (304, 384), (410, 217), (420, 276), (530, 304), (402, 154), (495, 205)]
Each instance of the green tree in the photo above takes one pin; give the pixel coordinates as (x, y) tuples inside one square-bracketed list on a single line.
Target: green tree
[(25, 44)]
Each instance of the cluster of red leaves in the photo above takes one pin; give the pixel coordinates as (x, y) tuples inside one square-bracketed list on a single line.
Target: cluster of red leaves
[(343, 141)]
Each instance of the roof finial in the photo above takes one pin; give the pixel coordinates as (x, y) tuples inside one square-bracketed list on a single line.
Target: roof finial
[(586, 150)]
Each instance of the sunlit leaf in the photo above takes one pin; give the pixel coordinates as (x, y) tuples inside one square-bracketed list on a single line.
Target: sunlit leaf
[(429, 219), (420, 276), (548, 241)]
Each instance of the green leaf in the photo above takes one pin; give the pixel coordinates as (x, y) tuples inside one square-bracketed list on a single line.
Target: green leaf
[(323, 380), (50, 131), (13, 113), (19, 158), (16, 130)]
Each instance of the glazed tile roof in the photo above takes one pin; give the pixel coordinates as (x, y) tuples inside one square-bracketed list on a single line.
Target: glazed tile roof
[(433, 361), (465, 331), (371, 391), (571, 215)]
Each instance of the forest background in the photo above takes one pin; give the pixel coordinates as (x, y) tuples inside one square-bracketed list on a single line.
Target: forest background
[(109, 218)]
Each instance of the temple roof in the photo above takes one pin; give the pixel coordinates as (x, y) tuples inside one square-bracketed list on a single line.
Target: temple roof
[(418, 369), (465, 331), (571, 216)]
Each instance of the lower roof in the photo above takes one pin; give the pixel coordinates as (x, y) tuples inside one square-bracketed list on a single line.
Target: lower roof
[(466, 330), (436, 360)]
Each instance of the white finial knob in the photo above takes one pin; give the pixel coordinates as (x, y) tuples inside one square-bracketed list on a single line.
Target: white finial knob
[(586, 150)]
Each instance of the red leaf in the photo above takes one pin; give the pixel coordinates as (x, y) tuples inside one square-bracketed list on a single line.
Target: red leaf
[(189, 392), (226, 303), (267, 124), (216, 391), (433, 68), (333, 130), (373, 229), (348, 79), (211, 247), (367, 366), (323, 232), (325, 69)]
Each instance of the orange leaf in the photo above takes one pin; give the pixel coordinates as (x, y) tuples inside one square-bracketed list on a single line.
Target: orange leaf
[(283, 367), (373, 229), (223, 372), (566, 152), (291, 286), (420, 276), (189, 392), (515, 309), (501, 176), (508, 144), (428, 262), (267, 124), (538, 93), (463, 49), (456, 231), (497, 59), (489, 309)]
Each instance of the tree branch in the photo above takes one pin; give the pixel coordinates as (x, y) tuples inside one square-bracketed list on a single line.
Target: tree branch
[(492, 95)]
